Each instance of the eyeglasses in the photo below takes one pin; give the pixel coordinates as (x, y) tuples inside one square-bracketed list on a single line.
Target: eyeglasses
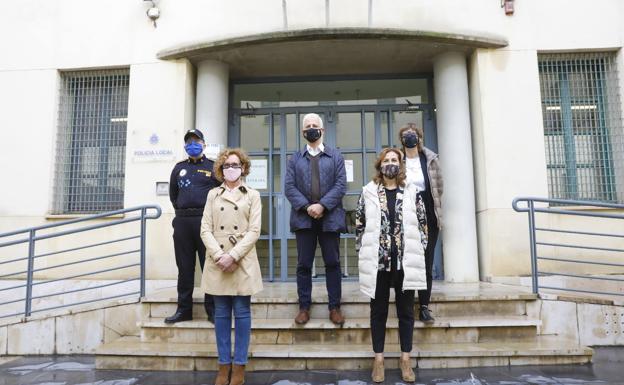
[(231, 165)]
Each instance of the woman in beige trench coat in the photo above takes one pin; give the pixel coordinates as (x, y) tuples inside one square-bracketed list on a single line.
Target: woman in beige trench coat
[(230, 228)]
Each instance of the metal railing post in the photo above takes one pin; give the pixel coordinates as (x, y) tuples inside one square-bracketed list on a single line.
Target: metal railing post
[(531, 213), (143, 232), (29, 273), (346, 254)]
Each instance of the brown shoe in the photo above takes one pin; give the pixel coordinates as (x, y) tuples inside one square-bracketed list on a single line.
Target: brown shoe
[(223, 376), (407, 373), (238, 375), (379, 374), (302, 317), (335, 315)]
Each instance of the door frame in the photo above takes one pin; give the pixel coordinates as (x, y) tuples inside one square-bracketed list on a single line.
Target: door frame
[(282, 231), (278, 200)]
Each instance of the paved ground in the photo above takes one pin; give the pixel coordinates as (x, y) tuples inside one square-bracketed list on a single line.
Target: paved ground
[(608, 368)]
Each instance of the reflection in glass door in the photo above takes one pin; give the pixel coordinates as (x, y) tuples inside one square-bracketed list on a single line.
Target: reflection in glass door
[(272, 135)]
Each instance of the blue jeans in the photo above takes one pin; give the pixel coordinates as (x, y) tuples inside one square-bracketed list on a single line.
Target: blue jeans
[(224, 305)]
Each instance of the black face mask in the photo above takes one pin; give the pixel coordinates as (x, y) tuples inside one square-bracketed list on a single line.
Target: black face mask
[(390, 170), (410, 139), (312, 134)]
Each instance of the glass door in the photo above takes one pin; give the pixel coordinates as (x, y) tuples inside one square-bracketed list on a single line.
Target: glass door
[(272, 135)]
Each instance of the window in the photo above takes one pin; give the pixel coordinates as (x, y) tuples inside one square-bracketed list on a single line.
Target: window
[(582, 126), (91, 144)]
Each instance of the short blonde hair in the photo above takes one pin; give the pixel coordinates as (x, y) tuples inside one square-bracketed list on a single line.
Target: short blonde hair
[(419, 132), (222, 157)]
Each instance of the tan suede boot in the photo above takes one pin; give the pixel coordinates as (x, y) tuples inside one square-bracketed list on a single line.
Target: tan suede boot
[(238, 375), (223, 376), (406, 370), (379, 374)]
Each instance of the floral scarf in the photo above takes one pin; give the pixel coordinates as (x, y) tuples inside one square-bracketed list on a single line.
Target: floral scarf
[(386, 236)]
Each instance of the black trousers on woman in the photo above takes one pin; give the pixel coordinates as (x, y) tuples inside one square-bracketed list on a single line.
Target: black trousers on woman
[(432, 225), (379, 311)]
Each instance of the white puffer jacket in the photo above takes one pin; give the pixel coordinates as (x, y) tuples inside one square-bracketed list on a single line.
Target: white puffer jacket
[(413, 250)]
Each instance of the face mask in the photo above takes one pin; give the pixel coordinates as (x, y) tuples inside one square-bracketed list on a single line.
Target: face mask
[(194, 148), (390, 170), (410, 140), (232, 174), (312, 134)]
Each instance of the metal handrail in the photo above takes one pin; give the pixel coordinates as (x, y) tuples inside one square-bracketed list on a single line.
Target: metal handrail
[(531, 209), (33, 237)]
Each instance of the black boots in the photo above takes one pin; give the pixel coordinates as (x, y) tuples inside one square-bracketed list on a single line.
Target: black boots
[(179, 316), (424, 315)]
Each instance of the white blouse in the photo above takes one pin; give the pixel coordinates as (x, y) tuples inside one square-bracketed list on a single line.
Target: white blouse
[(414, 173)]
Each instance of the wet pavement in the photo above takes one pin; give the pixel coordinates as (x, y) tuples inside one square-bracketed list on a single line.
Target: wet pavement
[(608, 368)]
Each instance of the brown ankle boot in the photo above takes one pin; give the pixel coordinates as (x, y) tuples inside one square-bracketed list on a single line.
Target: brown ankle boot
[(378, 374), (223, 376), (407, 373), (238, 375)]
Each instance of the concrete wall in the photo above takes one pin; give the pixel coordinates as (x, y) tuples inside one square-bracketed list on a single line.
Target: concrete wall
[(508, 142), (583, 322), (71, 34), (70, 332)]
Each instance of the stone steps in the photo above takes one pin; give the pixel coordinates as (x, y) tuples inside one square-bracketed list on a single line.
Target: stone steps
[(131, 353), (277, 308), (476, 325), (446, 330)]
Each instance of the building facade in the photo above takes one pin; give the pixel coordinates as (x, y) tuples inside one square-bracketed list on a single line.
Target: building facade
[(519, 98)]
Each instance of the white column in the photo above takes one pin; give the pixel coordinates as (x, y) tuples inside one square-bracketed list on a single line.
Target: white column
[(211, 101), (461, 263)]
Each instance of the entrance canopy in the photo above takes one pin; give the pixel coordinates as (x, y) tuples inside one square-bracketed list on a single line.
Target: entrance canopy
[(331, 51)]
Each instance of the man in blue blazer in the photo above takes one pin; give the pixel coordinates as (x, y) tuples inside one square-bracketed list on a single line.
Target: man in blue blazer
[(315, 183)]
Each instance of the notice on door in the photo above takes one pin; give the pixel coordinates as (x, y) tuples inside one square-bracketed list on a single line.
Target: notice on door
[(349, 169), (212, 150), (258, 174)]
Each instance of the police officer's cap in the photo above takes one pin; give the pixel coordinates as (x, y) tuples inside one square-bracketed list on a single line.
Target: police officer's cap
[(195, 132)]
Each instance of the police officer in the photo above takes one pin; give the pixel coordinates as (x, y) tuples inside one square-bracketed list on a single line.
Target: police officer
[(190, 181)]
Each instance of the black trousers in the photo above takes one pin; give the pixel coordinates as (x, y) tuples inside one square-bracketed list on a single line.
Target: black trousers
[(424, 296), (379, 311), (330, 249), (187, 244)]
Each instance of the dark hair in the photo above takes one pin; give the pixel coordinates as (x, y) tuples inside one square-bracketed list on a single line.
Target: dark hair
[(419, 132), (222, 157), (378, 177)]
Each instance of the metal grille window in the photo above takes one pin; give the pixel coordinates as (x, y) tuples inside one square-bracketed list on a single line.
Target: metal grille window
[(91, 145), (582, 126)]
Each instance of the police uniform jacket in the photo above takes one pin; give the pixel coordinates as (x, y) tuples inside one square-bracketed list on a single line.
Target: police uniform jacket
[(189, 184), (231, 224)]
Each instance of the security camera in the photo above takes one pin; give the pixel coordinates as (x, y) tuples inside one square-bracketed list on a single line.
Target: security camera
[(153, 13)]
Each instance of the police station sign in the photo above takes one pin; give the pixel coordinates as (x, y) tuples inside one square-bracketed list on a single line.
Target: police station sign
[(153, 153)]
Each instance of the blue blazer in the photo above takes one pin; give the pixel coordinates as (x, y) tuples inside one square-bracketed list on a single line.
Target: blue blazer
[(298, 184)]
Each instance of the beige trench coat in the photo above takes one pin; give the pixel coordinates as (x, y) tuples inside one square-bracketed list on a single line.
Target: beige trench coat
[(234, 214)]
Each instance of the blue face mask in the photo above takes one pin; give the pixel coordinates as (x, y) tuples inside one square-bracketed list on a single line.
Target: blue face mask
[(194, 148)]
